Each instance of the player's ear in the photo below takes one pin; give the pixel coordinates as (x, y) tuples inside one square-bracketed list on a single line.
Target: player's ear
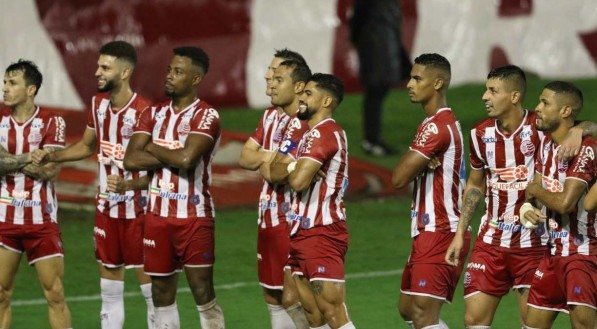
[(197, 78), (515, 97), (31, 90), (438, 84), (566, 111), (299, 87)]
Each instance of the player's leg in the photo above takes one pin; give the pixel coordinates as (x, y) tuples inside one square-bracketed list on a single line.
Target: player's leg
[(279, 319), (291, 301), (163, 293), (10, 263), (540, 318), (145, 286), (132, 250), (50, 272), (546, 297), (330, 297), (583, 317), (480, 309), (112, 293), (308, 301), (201, 283), (522, 296)]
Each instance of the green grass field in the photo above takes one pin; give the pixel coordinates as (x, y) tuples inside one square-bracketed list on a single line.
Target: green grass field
[(379, 242)]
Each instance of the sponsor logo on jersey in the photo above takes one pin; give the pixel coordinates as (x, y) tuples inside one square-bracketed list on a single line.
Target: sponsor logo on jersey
[(427, 131), (208, 119), (509, 218), (20, 194), (558, 235), (110, 196), (37, 123), (586, 157), (488, 140)]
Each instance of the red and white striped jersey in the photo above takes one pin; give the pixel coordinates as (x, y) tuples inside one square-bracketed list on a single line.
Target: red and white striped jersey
[(576, 232), (177, 192), (322, 203), (24, 200), (113, 129), (437, 194), (508, 163), (276, 131)]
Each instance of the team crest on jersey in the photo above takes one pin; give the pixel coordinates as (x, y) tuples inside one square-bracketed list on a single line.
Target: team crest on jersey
[(426, 132), (34, 137), (563, 166), (527, 148), (128, 120), (512, 173), (184, 128), (586, 157), (5, 125), (37, 123), (579, 240), (126, 131)]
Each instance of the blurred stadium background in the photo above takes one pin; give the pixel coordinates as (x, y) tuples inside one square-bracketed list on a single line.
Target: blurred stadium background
[(549, 39)]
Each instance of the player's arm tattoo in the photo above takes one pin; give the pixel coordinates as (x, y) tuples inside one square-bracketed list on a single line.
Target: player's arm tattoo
[(472, 198), (48, 171), (10, 162), (317, 287)]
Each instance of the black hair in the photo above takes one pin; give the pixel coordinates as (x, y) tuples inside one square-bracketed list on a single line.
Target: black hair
[(31, 73), (570, 91), (288, 54), (121, 50), (300, 71), (331, 84), (513, 75), (197, 56), (436, 61)]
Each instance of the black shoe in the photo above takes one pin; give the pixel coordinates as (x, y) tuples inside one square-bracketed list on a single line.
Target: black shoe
[(379, 149)]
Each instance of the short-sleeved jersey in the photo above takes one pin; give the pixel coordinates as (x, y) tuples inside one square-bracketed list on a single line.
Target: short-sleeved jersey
[(437, 194), (24, 200), (178, 192), (576, 232), (322, 203), (113, 130), (508, 164), (277, 131)]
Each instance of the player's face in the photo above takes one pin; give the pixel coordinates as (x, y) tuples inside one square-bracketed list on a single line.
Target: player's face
[(269, 74), (421, 84), (108, 72), (15, 90), (282, 91), (310, 101), (548, 111), (180, 77), (497, 98)]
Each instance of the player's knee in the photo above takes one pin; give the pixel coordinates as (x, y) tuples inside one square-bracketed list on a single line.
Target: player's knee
[(54, 294), (583, 322), (203, 292), (404, 310), (5, 296), (289, 298)]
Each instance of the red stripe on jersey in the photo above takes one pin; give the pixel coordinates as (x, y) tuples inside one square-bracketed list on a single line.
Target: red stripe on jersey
[(574, 233), (508, 163), (24, 200), (113, 130), (274, 128)]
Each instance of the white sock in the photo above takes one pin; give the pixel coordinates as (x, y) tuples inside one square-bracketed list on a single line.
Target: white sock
[(279, 318), (112, 313), (211, 315), (410, 324), (325, 326), (478, 327), (443, 325), (349, 325), (146, 291), (297, 314), (166, 317), (433, 326)]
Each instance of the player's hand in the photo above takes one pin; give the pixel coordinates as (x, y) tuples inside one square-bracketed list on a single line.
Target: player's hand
[(116, 184), (320, 175), (433, 163), (534, 217), (453, 252), (571, 144), (38, 157)]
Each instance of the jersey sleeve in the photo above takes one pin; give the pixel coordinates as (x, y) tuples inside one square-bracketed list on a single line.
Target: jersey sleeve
[(55, 133), (207, 123), (475, 157), (145, 122), (582, 166), (258, 134), (320, 146), (293, 136), (431, 140)]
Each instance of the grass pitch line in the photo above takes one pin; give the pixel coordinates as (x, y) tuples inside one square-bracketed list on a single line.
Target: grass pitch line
[(229, 286)]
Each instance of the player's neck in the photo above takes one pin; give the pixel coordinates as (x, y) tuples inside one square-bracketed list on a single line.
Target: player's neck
[(511, 120), (120, 97), (291, 108), (182, 102), (433, 105), (559, 135), (23, 112), (318, 117)]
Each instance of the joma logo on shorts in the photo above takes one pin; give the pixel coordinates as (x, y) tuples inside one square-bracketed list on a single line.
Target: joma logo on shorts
[(149, 243), (99, 232), (476, 266), (539, 274)]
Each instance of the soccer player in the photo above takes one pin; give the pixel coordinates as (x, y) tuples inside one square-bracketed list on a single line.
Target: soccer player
[(177, 140), (319, 236), (428, 282), (122, 196), (565, 280), (28, 205), (286, 77), (591, 199), (502, 151)]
